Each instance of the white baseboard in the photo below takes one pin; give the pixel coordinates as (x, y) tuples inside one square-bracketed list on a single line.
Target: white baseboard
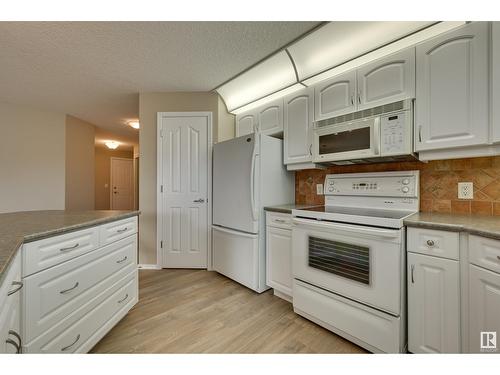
[(149, 267)]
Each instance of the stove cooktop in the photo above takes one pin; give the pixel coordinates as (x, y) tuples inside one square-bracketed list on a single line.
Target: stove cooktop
[(355, 215), (356, 211)]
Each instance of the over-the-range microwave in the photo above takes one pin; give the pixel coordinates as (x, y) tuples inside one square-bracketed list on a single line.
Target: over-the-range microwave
[(379, 134)]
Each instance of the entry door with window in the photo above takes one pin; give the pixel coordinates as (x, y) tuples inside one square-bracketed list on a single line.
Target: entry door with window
[(122, 184), (183, 175)]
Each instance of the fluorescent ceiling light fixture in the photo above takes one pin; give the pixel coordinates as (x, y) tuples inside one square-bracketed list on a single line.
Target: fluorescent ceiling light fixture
[(338, 42), (266, 78), (270, 98), (386, 50), (112, 144), (134, 124)]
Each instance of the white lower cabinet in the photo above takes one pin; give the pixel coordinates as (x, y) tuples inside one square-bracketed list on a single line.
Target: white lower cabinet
[(433, 304), (77, 286), (484, 310), (279, 254), (10, 309)]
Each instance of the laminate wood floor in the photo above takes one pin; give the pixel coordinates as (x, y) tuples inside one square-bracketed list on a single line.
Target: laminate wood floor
[(196, 311)]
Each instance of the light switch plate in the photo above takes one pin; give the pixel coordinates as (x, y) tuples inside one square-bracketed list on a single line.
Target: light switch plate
[(465, 190), (319, 189)]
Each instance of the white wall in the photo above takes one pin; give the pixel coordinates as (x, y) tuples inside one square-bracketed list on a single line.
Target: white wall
[(32, 159)]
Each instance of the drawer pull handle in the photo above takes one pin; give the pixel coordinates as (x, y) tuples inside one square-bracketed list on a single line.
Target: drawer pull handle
[(19, 287), (14, 344), (70, 289), (122, 260), (280, 220), (124, 298), (69, 346), (70, 248), (412, 272), (122, 230), (16, 335), (430, 243)]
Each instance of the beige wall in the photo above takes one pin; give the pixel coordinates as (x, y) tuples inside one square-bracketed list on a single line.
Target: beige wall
[(226, 123), (103, 157), (32, 153), (149, 105), (80, 164)]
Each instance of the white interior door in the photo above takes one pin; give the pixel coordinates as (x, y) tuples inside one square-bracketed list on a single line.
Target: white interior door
[(184, 200), (122, 184)]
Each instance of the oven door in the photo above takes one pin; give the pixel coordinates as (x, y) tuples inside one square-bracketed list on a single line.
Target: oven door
[(355, 140), (358, 262)]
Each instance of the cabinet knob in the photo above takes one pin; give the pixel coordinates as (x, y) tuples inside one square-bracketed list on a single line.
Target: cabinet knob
[(430, 243)]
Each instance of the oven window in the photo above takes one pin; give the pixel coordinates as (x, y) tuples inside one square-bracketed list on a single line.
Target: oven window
[(352, 140), (342, 259)]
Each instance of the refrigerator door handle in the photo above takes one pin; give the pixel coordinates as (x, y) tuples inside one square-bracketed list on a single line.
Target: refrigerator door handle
[(252, 185)]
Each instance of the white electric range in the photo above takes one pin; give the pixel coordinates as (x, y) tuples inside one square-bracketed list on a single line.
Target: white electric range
[(349, 257)]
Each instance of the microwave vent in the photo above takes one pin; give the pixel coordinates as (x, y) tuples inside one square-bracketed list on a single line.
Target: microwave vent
[(366, 113)]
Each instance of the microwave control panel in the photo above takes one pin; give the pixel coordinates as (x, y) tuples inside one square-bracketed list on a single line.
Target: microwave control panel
[(395, 134)]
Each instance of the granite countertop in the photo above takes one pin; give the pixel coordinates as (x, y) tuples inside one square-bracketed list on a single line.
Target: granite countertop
[(287, 208), (486, 226), (19, 227)]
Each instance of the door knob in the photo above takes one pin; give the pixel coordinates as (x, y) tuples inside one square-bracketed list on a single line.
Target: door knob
[(200, 200)]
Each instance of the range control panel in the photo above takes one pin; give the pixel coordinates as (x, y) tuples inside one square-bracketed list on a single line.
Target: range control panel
[(383, 184)]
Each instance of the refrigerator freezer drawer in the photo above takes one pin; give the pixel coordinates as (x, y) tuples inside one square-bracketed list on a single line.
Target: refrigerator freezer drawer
[(236, 255)]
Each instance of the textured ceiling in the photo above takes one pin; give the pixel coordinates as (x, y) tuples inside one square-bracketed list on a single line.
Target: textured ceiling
[(95, 70)]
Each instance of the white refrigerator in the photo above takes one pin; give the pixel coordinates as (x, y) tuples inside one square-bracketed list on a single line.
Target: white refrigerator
[(248, 174)]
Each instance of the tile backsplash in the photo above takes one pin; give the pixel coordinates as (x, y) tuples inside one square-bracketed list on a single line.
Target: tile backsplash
[(438, 183)]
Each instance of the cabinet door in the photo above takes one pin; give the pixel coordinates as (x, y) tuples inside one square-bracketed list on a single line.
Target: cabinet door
[(387, 80), (484, 309), (246, 123), (335, 97), (279, 259), (270, 117), (496, 81), (298, 126), (452, 89), (433, 305)]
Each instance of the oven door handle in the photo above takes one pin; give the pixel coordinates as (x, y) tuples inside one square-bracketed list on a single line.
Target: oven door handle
[(316, 224)]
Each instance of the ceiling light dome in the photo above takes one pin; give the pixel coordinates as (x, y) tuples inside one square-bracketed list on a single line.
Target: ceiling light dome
[(112, 144)]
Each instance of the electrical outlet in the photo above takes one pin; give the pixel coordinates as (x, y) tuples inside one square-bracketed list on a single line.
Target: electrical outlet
[(465, 190), (319, 189)]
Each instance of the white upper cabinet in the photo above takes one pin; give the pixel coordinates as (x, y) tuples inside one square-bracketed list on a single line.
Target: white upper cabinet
[(298, 126), (387, 80), (246, 123), (335, 96), (433, 304), (496, 81), (270, 117), (452, 89)]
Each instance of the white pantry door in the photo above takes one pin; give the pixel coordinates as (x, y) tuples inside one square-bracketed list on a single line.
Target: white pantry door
[(184, 193), (122, 184)]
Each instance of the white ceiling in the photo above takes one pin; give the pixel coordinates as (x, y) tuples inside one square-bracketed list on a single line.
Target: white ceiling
[(95, 70)]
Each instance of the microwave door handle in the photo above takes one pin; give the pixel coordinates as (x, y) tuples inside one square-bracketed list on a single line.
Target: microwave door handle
[(376, 136)]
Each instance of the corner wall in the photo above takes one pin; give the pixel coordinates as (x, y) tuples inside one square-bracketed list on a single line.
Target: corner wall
[(80, 164)]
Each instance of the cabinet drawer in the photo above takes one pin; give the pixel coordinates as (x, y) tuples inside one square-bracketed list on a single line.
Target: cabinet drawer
[(73, 334), (433, 242), (11, 284), (279, 220), (51, 295), (485, 252), (117, 230), (42, 254)]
